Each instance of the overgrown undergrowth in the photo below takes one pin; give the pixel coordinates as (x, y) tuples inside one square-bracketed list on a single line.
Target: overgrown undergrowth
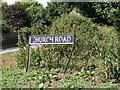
[(54, 78)]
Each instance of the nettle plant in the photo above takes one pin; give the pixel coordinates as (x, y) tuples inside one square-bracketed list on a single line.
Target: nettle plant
[(96, 48)]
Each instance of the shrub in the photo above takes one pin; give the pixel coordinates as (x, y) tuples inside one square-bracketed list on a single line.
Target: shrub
[(95, 47)]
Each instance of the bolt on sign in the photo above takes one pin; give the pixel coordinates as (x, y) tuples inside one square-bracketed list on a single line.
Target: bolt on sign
[(50, 39)]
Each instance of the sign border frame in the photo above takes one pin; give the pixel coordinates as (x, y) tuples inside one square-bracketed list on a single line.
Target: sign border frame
[(50, 43)]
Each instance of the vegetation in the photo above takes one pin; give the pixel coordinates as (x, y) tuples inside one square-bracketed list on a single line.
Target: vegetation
[(83, 80), (7, 53), (15, 15), (92, 51), (95, 62), (20, 79), (51, 79), (5, 27), (105, 12)]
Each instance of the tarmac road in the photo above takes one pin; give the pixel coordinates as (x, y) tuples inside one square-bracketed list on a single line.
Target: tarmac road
[(9, 50), (12, 49)]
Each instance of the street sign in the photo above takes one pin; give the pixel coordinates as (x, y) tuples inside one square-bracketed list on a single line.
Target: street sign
[(51, 39)]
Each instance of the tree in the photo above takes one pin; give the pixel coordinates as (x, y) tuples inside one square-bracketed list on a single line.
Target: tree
[(42, 18), (105, 12), (110, 12), (28, 3), (56, 9), (16, 16), (28, 0), (5, 27)]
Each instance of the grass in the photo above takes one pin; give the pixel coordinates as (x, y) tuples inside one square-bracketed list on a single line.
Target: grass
[(8, 53), (12, 77), (86, 81), (49, 79), (20, 79)]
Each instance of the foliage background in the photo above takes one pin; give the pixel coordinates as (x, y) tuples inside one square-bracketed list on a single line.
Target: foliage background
[(94, 25)]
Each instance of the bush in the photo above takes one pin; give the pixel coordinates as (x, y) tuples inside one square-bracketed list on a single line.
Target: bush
[(95, 47)]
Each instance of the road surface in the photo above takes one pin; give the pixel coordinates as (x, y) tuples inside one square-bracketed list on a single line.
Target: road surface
[(12, 49)]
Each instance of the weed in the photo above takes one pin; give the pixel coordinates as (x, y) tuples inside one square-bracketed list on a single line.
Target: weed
[(20, 79)]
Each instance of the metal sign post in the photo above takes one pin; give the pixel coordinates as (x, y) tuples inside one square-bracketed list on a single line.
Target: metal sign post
[(28, 62), (50, 39), (69, 59)]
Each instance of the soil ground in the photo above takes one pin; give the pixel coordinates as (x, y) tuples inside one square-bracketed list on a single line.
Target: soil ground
[(8, 61)]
